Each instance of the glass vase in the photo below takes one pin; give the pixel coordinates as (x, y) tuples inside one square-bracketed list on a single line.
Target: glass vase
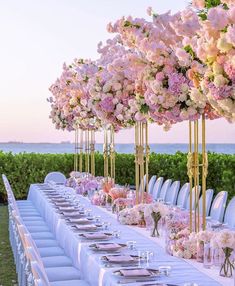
[(208, 256), (200, 251), (227, 266)]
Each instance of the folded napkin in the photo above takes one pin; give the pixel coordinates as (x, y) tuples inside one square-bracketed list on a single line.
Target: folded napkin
[(59, 200), (82, 221), (135, 272), (63, 204), (67, 209), (95, 235), (86, 227), (120, 258), (76, 215), (108, 246)]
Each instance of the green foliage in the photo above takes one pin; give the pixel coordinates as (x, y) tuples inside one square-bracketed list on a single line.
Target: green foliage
[(7, 266), (24, 169)]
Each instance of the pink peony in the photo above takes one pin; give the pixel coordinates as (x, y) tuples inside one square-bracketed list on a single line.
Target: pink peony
[(218, 18)]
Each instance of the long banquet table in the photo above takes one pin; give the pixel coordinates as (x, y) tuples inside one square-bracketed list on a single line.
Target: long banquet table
[(88, 261)]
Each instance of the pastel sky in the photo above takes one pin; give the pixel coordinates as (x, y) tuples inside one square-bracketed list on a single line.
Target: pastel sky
[(37, 36)]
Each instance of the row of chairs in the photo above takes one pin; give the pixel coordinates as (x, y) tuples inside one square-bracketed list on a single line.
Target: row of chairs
[(171, 193), (39, 260)]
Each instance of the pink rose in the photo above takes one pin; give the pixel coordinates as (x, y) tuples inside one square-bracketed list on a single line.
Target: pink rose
[(230, 35)]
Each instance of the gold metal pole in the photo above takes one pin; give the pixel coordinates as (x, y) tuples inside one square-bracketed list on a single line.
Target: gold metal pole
[(81, 151), (196, 177), (204, 171), (147, 151), (76, 150), (112, 154), (92, 151), (190, 175), (137, 161)]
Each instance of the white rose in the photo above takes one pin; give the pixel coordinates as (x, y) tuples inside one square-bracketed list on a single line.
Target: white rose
[(120, 117), (217, 68), (106, 87), (184, 87), (117, 86), (220, 80), (223, 45)]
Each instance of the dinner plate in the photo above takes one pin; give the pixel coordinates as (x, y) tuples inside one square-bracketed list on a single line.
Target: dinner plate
[(146, 273), (115, 247), (134, 259), (95, 236)]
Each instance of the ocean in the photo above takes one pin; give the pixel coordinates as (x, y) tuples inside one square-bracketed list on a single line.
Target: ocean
[(59, 148)]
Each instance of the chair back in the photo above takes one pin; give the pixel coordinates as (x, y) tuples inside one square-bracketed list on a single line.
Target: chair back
[(151, 184), (183, 195), (38, 271), (157, 187), (218, 206), (195, 198), (229, 216), (172, 193), (209, 196), (56, 177), (7, 186), (164, 189)]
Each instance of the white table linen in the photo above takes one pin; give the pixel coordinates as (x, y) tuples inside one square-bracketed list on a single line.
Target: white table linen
[(89, 262)]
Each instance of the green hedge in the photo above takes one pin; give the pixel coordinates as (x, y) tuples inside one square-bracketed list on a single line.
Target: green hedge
[(26, 168)]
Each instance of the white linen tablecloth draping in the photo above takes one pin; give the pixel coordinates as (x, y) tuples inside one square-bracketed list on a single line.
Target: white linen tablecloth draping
[(89, 262)]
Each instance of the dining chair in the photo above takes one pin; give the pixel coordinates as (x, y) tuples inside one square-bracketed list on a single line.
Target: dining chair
[(229, 216), (164, 189), (151, 184), (218, 206), (194, 198), (56, 177), (209, 197), (183, 195), (172, 193), (157, 187)]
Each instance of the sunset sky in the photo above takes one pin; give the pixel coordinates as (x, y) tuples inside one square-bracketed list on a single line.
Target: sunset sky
[(38, 36)]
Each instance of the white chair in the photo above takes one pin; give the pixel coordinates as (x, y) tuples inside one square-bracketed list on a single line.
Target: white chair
[(40, 274), (164, 189), (183, 195), (151, 184), (218, 206), (195, 200), (209, 196), (229, 217), (157, 187), (56, 177), (172, 193)]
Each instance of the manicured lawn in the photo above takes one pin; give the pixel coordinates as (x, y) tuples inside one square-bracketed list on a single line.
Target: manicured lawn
[(7, 266)]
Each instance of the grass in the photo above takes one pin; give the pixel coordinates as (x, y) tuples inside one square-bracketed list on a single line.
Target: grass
[(7, 266)]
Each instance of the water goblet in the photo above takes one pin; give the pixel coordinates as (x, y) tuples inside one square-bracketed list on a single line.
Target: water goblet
[(131, 244), (166, 270), (106, 225), (117, 233), (97, 219)]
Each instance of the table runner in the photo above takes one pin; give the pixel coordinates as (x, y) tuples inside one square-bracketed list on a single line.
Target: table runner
[(89, 262)]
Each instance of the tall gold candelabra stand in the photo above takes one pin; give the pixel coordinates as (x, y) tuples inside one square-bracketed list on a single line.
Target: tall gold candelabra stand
[(81, 151), (197, 166), (109, 153), (76, 148), (141, 159), (90, 151)]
